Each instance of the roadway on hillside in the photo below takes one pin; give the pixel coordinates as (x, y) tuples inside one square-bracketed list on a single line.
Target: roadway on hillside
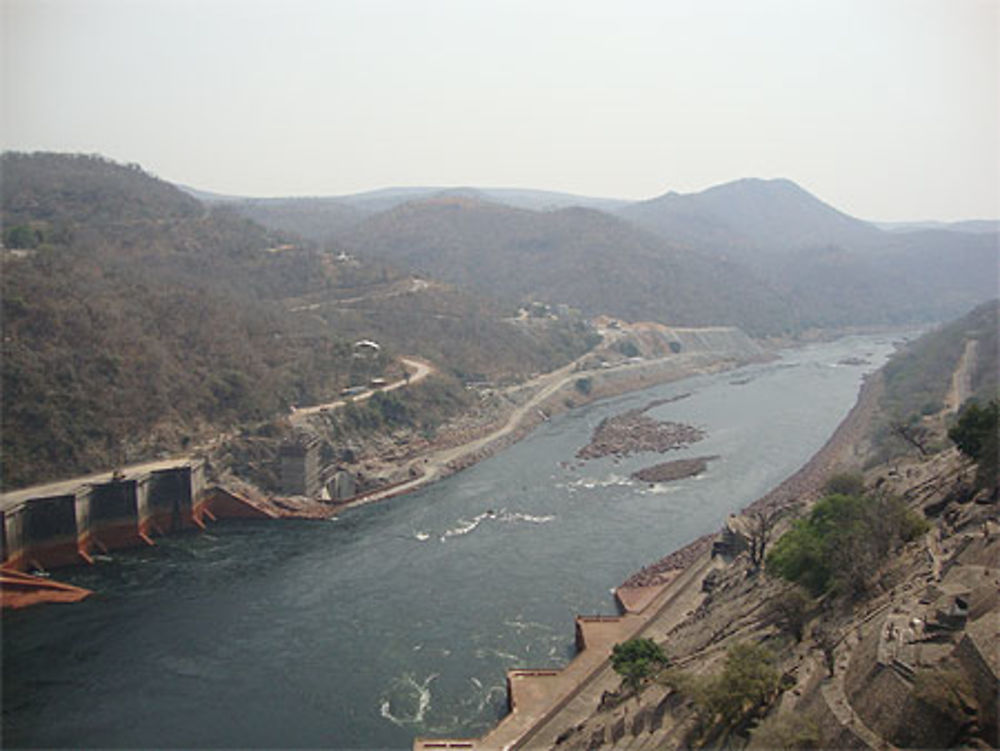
[(421, 370), (961, 380), (434, 466)]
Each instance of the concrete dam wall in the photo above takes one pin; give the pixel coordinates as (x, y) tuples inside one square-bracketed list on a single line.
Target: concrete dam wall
[(64, 523)]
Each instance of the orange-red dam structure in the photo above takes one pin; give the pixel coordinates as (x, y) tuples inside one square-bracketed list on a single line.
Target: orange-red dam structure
[(66, 523)]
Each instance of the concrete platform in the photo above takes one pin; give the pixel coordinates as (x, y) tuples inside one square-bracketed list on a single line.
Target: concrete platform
[(545, 702)]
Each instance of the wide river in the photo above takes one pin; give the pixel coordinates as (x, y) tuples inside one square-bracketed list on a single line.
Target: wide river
[(399, 619)]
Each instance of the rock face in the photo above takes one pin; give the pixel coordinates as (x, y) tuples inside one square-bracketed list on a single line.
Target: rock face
[(634, 431), (675, 470)]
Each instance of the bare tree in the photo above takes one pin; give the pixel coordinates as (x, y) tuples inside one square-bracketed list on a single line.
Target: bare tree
[(915, 435), (760, 527)]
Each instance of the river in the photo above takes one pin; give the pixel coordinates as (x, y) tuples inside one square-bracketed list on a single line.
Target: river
[(399, 619)]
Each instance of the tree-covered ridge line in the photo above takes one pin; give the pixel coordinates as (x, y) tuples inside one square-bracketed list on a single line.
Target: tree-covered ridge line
[(763, 255), (137, 321), (918, 381)]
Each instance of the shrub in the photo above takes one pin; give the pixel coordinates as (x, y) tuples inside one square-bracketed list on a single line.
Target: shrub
[(788, 731), (843, 541), (790, 610), (628, 348), (976, 435), (638, 659), (745, 687), (846, 483)]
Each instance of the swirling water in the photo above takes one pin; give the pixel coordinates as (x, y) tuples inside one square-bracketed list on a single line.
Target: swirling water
[(399, 619)]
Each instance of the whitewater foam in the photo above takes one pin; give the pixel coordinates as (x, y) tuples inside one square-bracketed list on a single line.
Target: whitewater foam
[(407, 685), (465, 526)]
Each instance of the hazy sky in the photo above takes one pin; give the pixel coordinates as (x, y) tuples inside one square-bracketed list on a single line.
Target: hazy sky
[(888, 109)]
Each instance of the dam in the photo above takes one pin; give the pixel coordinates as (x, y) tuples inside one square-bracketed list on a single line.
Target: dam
[(65, 523)]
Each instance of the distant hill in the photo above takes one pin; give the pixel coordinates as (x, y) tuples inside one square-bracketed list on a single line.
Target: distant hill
[(838, 269), (582, 257), (61, 188), (974, 226), (322, 218), (750, 216), (762, 254)]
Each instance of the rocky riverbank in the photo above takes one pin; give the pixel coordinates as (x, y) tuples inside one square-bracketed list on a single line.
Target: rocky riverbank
[(680, 559), (840, 452)]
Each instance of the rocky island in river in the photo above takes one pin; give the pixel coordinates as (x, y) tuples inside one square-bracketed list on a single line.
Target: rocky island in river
[(634, 431)]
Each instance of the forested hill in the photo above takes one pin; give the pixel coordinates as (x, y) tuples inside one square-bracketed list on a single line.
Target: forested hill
[(61, 189), (844, 270), (138, 320), (767, 215), (763, 254), (582, 257)]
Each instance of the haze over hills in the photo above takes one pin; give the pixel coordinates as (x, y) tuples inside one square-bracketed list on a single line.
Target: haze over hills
[(765, 254), (977, 226), (323, 218), (751, 214), (581, 257)]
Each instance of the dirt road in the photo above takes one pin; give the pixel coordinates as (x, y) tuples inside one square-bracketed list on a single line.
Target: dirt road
[(420, 368)]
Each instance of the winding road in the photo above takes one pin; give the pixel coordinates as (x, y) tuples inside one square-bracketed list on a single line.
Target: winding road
[(420, 368)]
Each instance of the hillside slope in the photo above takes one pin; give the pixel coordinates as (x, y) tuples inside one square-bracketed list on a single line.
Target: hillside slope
[(765, 255), (768, 215), (840, 270), (138, 321), (581, 257)]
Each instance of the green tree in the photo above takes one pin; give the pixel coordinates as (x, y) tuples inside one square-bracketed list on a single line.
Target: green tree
[(21, 236), (976, 435), (842, 542), (638, 659), (846, 483)]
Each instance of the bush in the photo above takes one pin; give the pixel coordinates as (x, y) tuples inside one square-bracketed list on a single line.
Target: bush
[(846, 483), (745, 687), (788, 731), (843, 541), (628, 348), (638, 659), (790, 610), (976, 435)]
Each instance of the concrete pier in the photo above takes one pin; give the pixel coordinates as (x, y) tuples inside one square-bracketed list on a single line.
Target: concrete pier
[(173, 494), (50, 533), (117, 511)]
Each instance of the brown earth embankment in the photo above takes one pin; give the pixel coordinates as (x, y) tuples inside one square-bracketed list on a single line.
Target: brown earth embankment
[(806, 485)]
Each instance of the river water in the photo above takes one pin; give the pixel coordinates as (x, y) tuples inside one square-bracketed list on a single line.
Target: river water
[(399, 619)]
